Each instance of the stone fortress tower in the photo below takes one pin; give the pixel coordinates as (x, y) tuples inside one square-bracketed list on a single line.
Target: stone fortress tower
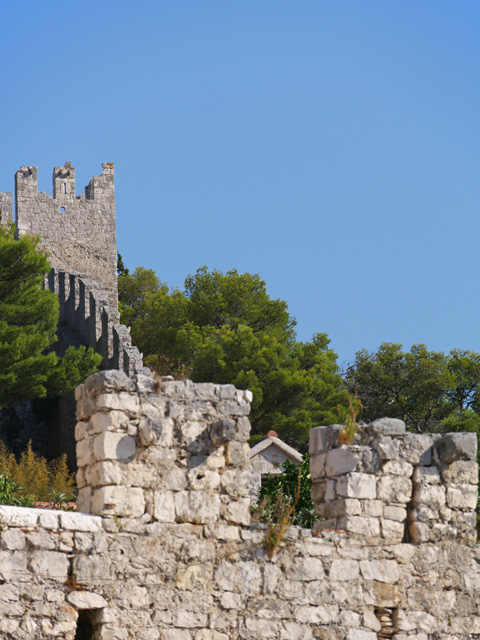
[(79, 233)]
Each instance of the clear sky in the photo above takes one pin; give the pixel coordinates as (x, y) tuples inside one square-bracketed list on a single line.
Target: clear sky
[(332, 147)]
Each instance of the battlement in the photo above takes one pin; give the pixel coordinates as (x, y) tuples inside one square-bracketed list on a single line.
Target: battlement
[(86, 318), (78, 231)]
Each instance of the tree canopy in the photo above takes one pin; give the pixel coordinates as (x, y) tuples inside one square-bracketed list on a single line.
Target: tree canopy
[(429, 390), (225, 328), (28, 321)]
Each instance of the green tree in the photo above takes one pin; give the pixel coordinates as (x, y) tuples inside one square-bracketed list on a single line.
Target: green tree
[(429, 390), (225, 328), (28, 321)]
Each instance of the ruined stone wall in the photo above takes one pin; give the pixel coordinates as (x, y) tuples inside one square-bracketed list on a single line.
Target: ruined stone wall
[(78, 231), (392, 486), (6, 208), (168, 552)]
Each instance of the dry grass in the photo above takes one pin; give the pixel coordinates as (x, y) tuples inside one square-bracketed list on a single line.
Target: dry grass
[(39, 479)]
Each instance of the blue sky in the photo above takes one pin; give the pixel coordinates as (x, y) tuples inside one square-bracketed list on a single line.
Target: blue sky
[(331, 147)]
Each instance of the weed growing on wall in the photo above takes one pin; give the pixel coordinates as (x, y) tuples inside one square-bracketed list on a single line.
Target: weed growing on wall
[(349, 418), (36, 479)]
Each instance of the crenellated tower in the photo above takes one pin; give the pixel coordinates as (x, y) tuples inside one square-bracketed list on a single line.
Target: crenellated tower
[(78, 231)]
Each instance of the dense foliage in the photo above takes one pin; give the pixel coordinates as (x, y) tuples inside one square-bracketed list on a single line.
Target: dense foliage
[(28, 321), (429, 390), (225, 328), (294, 486)]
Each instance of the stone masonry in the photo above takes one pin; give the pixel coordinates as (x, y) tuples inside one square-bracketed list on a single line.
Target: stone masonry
[(391, 486), (165, 550), (77, 231), (5, 208), (86, 318)]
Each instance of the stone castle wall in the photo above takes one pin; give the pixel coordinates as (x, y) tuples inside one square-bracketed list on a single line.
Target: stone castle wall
[(78, 231), (86, 318), (168, 552), (6, 208)]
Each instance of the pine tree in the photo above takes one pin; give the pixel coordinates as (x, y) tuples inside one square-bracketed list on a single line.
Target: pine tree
[(28, 321)]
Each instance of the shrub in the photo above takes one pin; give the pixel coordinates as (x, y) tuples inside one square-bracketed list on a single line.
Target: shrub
[(292, 487), (36, 479)]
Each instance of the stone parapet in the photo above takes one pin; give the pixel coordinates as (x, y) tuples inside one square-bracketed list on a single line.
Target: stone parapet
[(87, 319), (174, 450), (390, 486)]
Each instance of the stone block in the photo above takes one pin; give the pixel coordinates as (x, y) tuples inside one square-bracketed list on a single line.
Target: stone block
[(427, 475), (398, 468), (113, 446), (236, 511), (386, 448), (197, 506), (318, 491), (387, 427), (371, 508), (201, 479), (317, 466), (367, 527), (380, 570), (49, 564), (84, 452), (118, 401), (163, 508), (398, 514), (120, 501), (344, 570), (462, 496), (305, 569), (12, 539), (110, 381), (392, 531), (394, 489), (457, 446), (339, 462), (86, 600), (461, 472), (339, 508), (110, 421), (322, 439), (357, 485), (237, 454), (18, 516), (104, 473), (84, 500), (223, 431), (81, 430), (416, 448), (432, 496)]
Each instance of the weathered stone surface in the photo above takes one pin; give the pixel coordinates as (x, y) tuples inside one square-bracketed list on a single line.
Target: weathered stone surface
[(457, 446), (340, 461), (387, 427), (113, 446), (86, 600), (357, 485)]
